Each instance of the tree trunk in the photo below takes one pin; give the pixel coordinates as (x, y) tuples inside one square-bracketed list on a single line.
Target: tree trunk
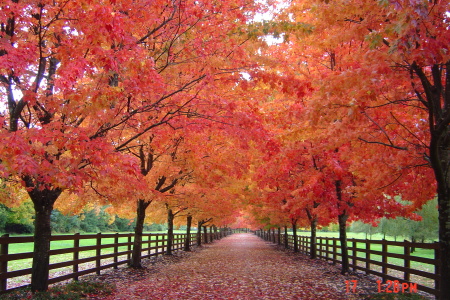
[(343, 239), (313, 223), (211, 237), (444, 241), (205, 235), (187, 242), (279, 235), (43, 200), (440, 159), (294, 231), (273, 236), (313, 253), (137, 243), (437, 93), (170, 218), (286, 241), (216, 237), (199, 234)]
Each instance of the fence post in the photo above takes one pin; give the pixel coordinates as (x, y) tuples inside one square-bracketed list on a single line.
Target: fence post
[(149, 244), (116, 250), (367, 256), (319, 247), (384, 260), (308, 244), (177, 240), (98, 253), (407, 260), (76, 254), (129, 248), (4, 264), (329, 246), (305, 244), (334, 251), (323, 248), (355, 254), (174, 241)]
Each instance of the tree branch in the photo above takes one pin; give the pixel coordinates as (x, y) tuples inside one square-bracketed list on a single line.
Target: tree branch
[(384, 144)]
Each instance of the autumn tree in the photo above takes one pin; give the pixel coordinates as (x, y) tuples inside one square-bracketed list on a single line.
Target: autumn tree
[(385, 66), (162, 172), (70, 88), (344, 184)]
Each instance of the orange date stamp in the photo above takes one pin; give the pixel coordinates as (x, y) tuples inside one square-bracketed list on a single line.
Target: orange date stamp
[(390, 286)]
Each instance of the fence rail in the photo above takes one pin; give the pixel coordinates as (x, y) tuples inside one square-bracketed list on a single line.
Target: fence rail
[(103, 250), (373, 261)]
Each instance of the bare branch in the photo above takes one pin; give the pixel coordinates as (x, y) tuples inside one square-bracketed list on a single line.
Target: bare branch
[(384, 144)]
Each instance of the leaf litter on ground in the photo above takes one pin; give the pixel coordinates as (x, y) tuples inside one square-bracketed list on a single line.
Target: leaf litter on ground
[(240, 266)]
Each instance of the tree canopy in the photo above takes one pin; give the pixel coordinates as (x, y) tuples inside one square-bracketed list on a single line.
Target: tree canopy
[(256, 112)]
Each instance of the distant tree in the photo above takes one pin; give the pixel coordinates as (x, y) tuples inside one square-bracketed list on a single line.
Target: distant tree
[(123, 224), (359, 226), (64, 223), (4, 215), (20, 219), (422, 230), (428, 228), (155, 227)]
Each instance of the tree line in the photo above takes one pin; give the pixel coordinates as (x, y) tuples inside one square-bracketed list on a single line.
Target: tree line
[(424, 230), (20, 220)]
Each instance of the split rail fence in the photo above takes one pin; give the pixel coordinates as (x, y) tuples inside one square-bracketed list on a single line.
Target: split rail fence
[(99, 252), (399, 267)]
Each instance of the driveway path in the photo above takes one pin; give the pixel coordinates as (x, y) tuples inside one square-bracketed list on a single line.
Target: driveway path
[(240, 266)]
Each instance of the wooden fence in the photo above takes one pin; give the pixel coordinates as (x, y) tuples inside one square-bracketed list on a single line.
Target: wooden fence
[(375, 261), (102, 251)]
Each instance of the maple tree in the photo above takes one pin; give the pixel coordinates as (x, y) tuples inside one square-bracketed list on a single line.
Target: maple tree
[(165, 174), (71, 89), (313, 109), (385, 69)]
